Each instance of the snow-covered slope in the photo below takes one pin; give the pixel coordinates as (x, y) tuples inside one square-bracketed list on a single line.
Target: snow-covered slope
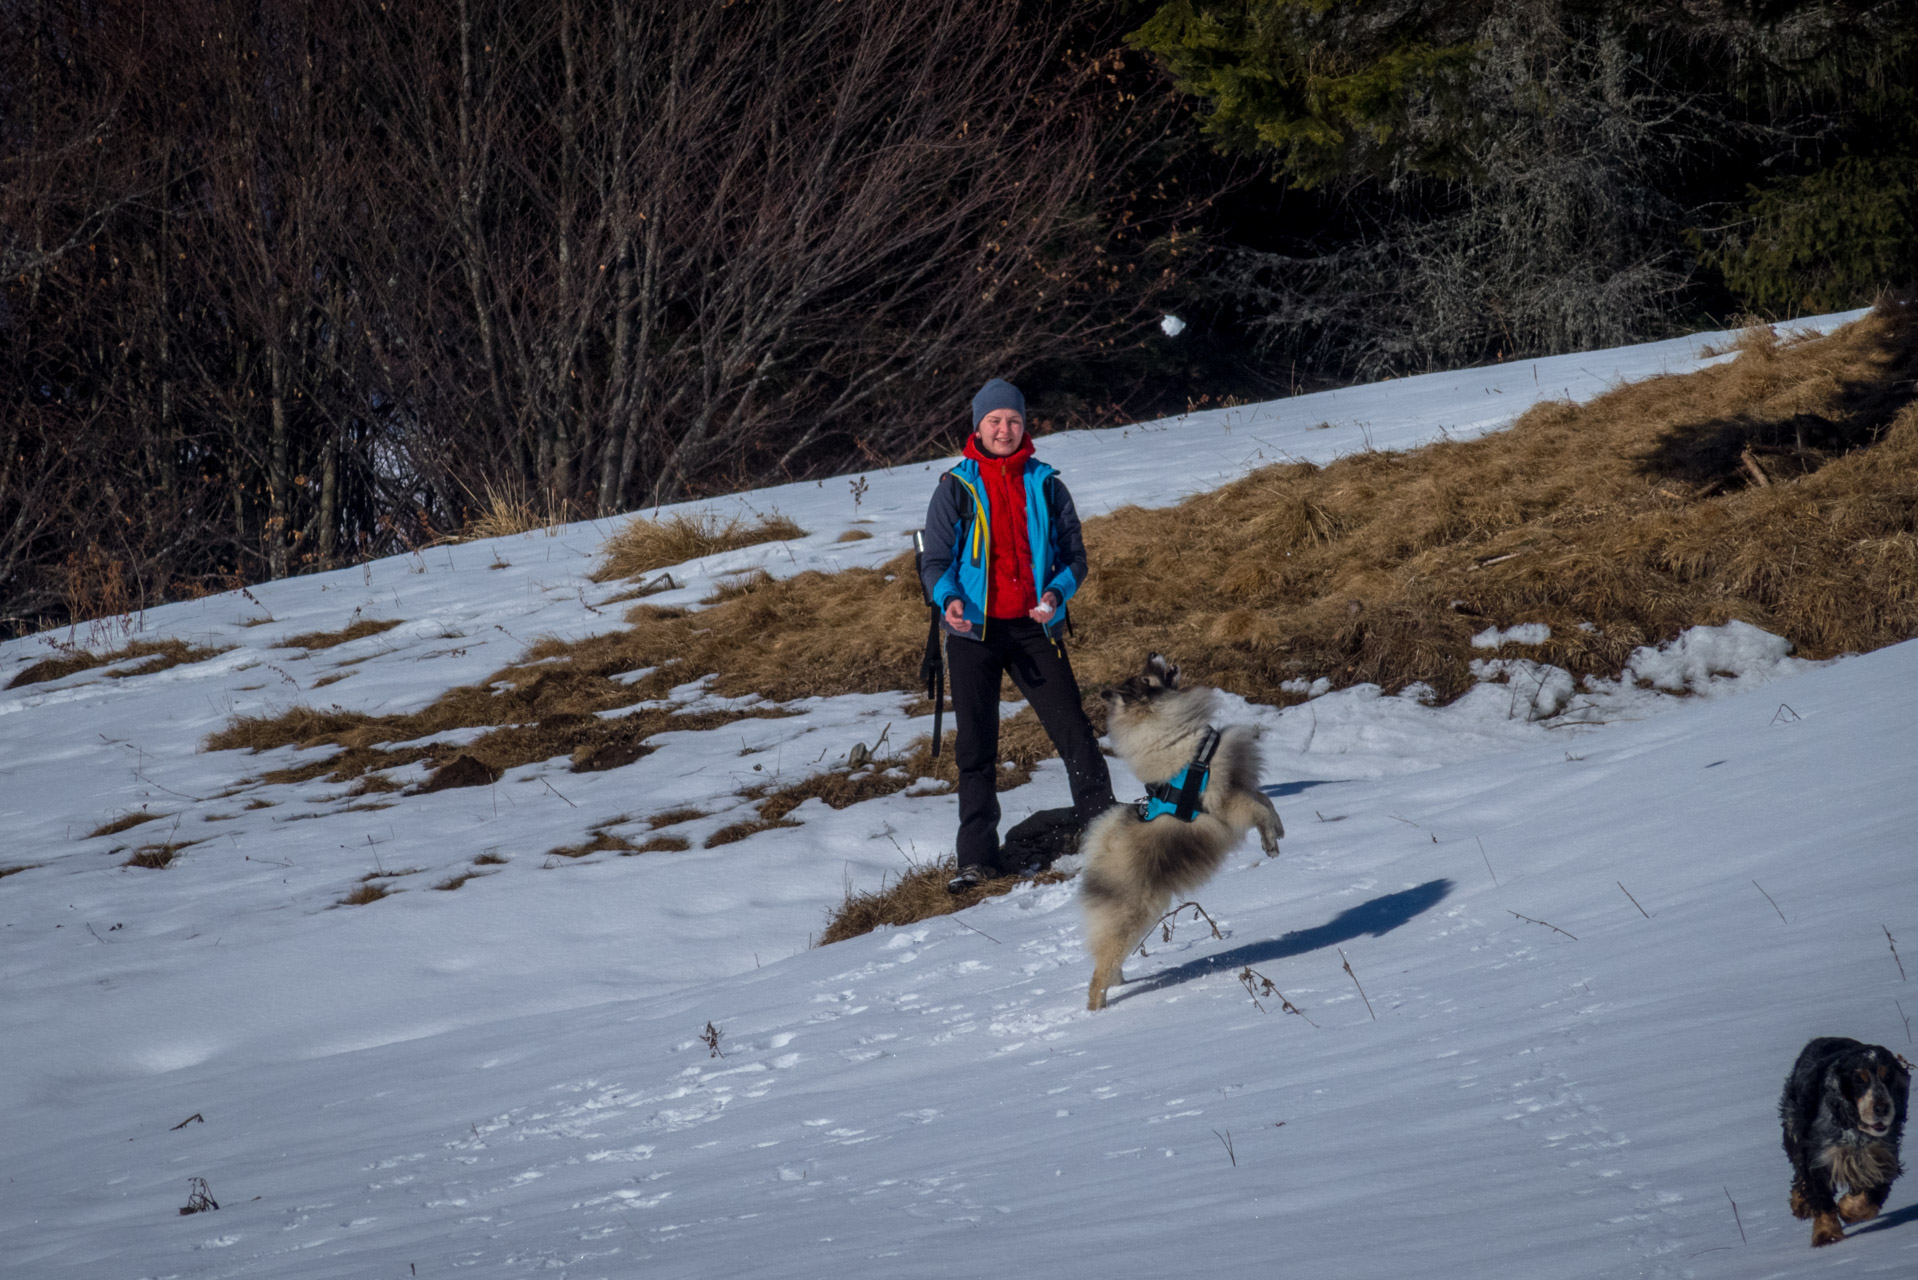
[(509, 1078)]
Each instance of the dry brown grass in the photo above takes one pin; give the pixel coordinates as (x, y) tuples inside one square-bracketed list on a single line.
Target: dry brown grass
[(324, 681), (153, 857), (490, 859), (16, 869), (853, 535), (919, 894), (732, 586), (509, 509), (125, 822), (1634, 513), (534, 712), (331, 639), (673, 817), (740, 830), (369, 891), (160, 655), (453, 882), (602, 842), (645, 545)]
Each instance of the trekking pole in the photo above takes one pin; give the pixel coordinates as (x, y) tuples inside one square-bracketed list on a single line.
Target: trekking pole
[(932, 668)]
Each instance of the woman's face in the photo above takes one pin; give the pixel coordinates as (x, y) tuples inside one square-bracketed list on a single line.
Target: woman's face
[(1001, 431)]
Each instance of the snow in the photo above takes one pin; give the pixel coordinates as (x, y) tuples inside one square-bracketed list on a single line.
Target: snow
[(1593, 922), (1522, 633)]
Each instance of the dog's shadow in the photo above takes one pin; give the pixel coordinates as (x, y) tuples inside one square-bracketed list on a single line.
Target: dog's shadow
[(1897, 1218), (1375, 918), (1280, 790)]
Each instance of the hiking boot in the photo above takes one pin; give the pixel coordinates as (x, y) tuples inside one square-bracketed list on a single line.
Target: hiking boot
[(967, 878)]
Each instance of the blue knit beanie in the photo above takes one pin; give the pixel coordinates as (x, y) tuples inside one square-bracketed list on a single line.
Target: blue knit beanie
[(997, 394)]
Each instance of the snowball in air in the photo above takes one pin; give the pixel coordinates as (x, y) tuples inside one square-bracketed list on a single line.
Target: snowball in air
[(1172, 326)]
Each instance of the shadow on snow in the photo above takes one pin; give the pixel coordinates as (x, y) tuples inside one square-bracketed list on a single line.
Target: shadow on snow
[(1375, 918)]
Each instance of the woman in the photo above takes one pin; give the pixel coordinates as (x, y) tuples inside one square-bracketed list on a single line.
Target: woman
[(1003, 554)]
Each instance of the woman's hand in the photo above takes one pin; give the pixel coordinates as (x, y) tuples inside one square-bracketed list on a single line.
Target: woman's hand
[(956, 616), (1041, 613)]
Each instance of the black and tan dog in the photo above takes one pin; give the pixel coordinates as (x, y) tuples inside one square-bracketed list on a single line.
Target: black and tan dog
[(1843, 1111)]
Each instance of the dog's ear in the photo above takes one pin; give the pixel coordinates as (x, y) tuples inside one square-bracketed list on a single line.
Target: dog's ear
[(1171, 677), (1161, 672)]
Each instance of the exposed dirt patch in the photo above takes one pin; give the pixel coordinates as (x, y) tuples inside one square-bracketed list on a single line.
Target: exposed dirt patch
[(461, 771)]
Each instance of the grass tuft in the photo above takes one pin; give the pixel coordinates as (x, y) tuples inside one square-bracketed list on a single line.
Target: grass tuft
[(660, 844), (645, 545), (919, 894), (126, 822), (740, 830), (160, 655), (16, 869), (332, 639), (673, 817), (602, 842), (370, 891), (154, 857), (509, 509)]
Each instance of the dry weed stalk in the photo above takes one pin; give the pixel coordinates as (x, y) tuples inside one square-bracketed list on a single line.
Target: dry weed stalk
[(1356, 983), (1226, 1138), (1893, 944), (199, 1197), (1166, 921), (1257, 984), (1528, 920), (710, 1038)]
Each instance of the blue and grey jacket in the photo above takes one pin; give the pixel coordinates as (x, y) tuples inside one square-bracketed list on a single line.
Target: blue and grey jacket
[(958, 536)]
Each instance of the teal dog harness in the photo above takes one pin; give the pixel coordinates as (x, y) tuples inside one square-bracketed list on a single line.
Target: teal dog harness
[(1179, 796)]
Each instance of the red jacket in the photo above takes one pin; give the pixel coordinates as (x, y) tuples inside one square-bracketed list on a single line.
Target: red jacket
[(1013, 594)]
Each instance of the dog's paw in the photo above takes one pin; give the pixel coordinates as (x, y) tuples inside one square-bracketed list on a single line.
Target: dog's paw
[(1271, 847), (1800, 1207), (1857, 1207), (1825, 1230)]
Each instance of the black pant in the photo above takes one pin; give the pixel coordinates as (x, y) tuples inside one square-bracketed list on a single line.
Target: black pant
[(1020, 647)]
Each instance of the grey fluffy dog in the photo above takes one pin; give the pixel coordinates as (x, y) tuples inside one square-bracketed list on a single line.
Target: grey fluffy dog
[(1133, 867)]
